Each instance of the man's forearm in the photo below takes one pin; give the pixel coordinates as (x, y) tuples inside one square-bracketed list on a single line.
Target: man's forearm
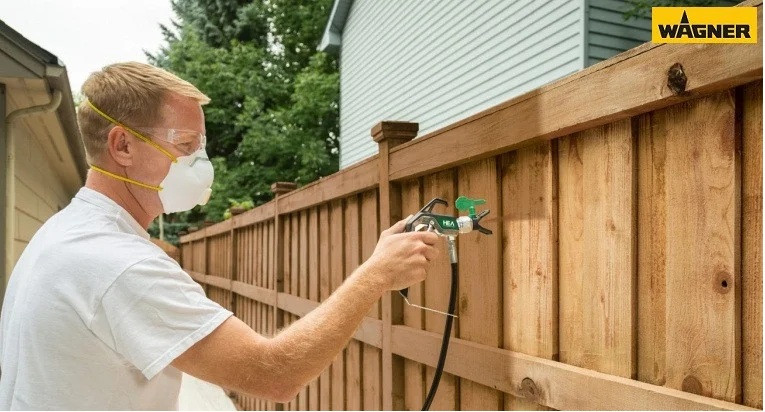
[(308, 346)]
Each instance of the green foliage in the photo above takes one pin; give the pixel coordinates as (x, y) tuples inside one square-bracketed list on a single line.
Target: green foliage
[(274, 107), (244, 205), (642, 8), (172, 229)]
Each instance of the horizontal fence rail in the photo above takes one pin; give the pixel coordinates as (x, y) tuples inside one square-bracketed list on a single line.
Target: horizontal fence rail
[(625, 269)]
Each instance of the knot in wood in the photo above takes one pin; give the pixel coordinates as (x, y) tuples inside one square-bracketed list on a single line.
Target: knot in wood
[(676, 79), (529, 389)]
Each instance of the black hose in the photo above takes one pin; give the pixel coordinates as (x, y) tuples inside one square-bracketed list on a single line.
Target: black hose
[(444, 342)]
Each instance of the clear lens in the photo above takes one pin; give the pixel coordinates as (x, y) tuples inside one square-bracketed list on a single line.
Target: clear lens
[(187, 141)]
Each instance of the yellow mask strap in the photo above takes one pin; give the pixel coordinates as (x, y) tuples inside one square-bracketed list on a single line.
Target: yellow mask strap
[(142, 137), (125, 179)]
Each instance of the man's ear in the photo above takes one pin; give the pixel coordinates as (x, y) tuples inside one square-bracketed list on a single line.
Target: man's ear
[(119, 143)]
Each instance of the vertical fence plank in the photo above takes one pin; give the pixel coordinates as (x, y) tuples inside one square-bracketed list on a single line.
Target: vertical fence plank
[(325, 396), (257, 306), (281, 258), (251, 277), (411, 202), (480, 297), (437, 286), (353, 359), (336, 278), (313, 289), (651, 269), (294, 271), (751, 253), (303, 286), (372, 356), (597, 249), (530, 255), (702, 218)]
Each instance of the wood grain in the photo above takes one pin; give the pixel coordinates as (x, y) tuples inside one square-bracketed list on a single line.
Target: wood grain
[(313, 289), (480, 294), (336, 255), (325, 379), (558, 385), (751, 253), (372, 356), (597, 249), (352, 246), (530, 255), (703, 351)]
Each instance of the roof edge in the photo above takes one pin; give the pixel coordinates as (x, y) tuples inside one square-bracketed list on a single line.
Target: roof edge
[(57, 78), (332, 38)]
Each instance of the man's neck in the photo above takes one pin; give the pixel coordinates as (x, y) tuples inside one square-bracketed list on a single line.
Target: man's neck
[(119, 193)]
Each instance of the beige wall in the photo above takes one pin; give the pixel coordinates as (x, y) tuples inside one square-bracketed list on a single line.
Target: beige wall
[(45, 178), (39, 191)]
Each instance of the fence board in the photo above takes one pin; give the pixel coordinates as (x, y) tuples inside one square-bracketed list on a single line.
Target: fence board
[(337, 373), (530, 255), (557, 385), (751, 253), (702, 271), (313, 289), (437, 285), (325, 245), (372, 356), (597, 249), (480, 299), (652, 238), (302, 288), (353, 360)]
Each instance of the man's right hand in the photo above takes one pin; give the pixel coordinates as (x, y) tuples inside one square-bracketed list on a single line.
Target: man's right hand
[(401, 259)]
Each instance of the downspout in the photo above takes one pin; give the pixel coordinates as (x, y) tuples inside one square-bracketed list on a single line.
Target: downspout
[(10, 174)]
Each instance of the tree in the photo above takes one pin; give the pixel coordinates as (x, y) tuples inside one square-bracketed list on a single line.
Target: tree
[(274, 107)]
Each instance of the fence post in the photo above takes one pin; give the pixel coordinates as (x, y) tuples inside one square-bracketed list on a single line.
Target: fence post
[(389, 135)]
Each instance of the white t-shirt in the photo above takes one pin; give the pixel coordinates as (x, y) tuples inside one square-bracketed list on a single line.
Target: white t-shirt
[(94, 313)]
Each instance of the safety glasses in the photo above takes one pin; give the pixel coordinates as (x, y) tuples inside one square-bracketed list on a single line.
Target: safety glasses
[(186, 141)]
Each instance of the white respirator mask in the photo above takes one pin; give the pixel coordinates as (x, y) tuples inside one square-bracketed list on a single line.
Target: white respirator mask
[(188, 182)]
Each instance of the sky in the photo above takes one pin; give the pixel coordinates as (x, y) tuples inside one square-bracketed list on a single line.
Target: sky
[(89, 34)]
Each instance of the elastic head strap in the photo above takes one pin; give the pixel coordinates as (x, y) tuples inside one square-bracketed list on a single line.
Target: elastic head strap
[(139, 135), (125, 179)]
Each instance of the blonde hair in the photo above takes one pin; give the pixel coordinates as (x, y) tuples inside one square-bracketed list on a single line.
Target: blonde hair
[(132, 93)]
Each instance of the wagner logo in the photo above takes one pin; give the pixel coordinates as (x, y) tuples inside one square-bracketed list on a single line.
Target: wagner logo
[(704, 25)]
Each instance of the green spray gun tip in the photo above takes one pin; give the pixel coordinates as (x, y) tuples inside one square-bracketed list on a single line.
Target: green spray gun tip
[(466, 203)]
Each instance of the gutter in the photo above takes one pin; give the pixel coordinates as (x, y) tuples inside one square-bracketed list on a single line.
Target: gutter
[(10, 172)]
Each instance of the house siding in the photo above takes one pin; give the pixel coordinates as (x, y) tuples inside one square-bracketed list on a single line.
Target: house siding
[(40, 193), (439, 61), (608, 34)]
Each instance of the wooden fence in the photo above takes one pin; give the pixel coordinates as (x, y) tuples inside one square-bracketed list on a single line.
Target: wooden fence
[(625, 269)]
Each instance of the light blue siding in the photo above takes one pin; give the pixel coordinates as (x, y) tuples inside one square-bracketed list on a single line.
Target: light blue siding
[(435, 62), (608, 34)]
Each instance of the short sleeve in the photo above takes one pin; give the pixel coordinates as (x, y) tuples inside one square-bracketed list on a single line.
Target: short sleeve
[(153, 312)]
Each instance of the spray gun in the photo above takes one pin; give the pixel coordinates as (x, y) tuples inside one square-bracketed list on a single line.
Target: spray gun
[(448, 227)]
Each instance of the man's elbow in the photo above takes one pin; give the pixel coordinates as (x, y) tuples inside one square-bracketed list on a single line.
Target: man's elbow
[(285, 393)]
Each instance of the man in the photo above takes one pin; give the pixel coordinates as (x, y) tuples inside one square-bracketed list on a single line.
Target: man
[(98, 317)]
